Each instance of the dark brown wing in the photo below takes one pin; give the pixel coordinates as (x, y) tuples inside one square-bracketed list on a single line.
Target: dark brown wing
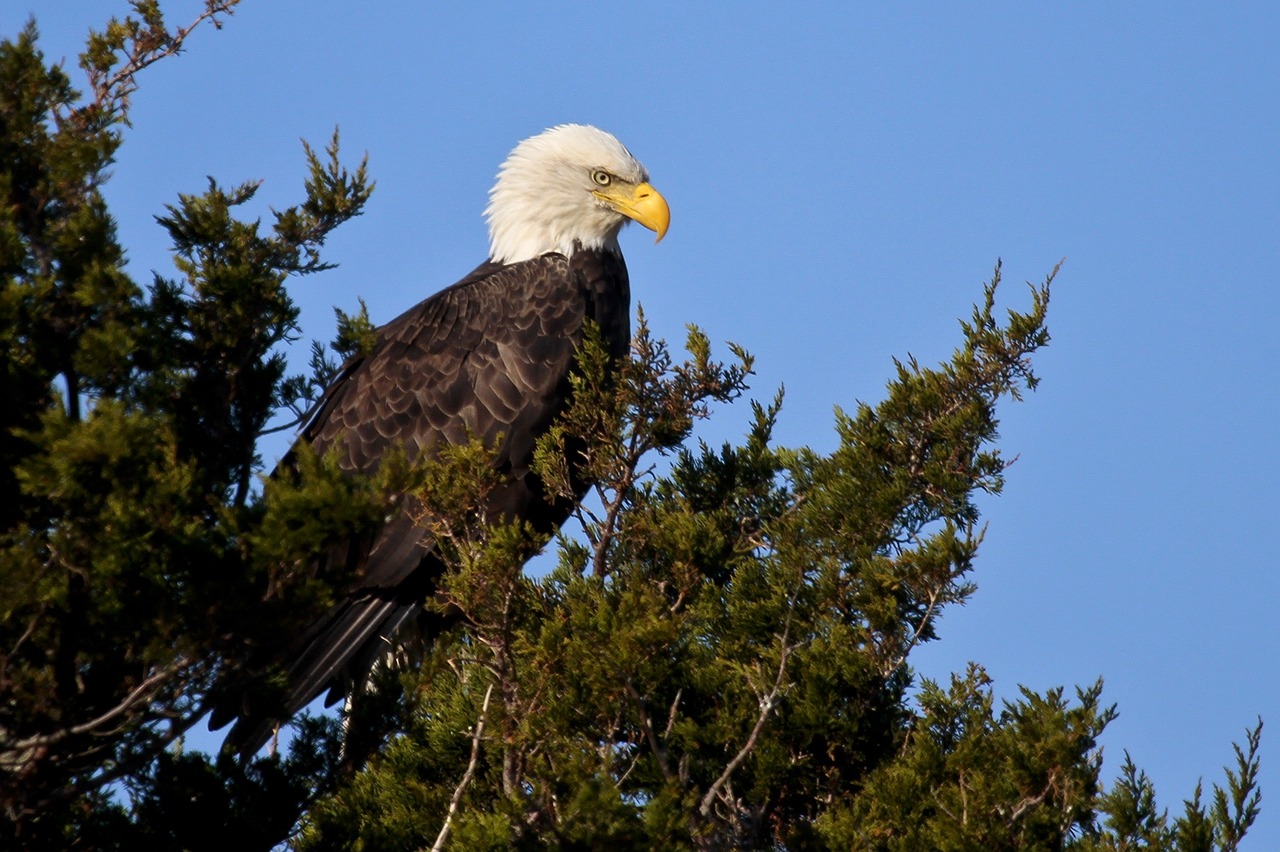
[(488, 357)]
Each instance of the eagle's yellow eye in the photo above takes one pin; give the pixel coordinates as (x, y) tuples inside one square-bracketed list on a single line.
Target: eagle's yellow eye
[(601, 177)]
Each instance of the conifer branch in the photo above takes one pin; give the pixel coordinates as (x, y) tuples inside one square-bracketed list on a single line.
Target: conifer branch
[(145, 41), (141, 694)]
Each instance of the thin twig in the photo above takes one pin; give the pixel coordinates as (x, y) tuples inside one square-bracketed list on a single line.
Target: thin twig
[(118, 86), (466, 776), (767, 704), (671, 714), (1032, 801), (141, 694), (934, 596), (659, 752)]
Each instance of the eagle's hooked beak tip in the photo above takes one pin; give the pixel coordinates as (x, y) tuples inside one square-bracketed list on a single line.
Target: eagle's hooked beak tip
[(644, 205), (651, 210)]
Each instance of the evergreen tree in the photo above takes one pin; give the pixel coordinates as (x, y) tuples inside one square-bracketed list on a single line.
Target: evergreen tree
[(136, 562), (718, 659)]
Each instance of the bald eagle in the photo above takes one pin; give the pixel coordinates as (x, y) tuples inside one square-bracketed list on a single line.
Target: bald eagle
[(489, 357)]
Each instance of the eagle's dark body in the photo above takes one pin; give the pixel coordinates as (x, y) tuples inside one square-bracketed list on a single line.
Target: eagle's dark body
[(489, 357)]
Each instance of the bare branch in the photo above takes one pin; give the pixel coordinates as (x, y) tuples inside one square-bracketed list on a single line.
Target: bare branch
[(1051, 785), (456, 799), (659, 751), (671, 714), (141, 694), (891, 666), (767, 704)]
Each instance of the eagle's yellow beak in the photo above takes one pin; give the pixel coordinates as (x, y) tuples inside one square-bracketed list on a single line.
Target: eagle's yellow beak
[(642, 203)]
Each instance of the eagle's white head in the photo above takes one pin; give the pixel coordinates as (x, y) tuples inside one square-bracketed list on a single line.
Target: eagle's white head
[(570, 186)]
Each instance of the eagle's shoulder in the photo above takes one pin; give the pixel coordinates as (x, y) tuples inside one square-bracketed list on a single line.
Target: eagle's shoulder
[(485, 356)]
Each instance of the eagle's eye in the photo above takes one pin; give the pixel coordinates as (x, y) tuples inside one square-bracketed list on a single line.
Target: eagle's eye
[(601, 177)]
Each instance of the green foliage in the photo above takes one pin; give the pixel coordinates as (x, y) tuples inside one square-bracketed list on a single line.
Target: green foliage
[(1132, 819), (718, 660), (969, 778)]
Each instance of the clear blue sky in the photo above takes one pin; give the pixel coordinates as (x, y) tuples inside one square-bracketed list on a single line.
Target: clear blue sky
[(842, 179)]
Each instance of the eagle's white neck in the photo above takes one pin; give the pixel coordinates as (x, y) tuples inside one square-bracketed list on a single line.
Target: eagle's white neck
[(516, 238), (542, 201)]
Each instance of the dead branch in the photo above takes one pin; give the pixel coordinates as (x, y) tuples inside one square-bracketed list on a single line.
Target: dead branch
[(458, 791), (767, 704)]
